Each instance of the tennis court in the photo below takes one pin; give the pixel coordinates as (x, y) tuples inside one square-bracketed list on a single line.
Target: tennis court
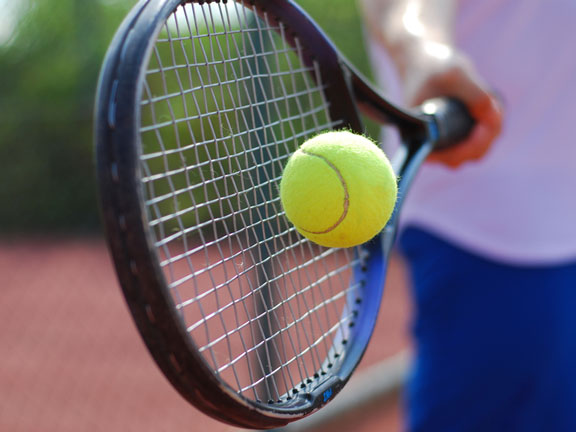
[(72, 359)]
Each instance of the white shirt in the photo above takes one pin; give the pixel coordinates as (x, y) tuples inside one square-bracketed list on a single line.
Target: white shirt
[(518, 204)]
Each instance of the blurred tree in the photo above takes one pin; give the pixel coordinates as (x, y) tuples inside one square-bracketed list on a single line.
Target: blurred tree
[(48, 70), (341, 20), (48, 74)]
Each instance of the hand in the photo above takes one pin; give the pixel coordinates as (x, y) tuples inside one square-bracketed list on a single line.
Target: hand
[(431, 70)]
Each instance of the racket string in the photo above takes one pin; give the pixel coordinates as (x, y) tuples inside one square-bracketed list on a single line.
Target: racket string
[(225, 102)]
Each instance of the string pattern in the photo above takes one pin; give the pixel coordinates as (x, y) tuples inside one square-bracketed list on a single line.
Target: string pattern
[(225, 101)]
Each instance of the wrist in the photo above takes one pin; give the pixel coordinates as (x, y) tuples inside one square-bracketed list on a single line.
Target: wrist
[(417, 54)]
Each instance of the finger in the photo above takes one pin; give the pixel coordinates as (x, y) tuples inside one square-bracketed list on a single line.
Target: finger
[(479, 142)]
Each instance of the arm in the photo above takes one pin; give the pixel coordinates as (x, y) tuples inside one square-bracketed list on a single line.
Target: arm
[(418, 35)]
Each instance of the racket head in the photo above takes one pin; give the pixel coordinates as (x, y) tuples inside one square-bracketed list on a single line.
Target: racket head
[(199, 107)]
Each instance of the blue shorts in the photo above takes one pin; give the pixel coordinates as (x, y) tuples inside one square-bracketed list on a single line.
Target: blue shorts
[(495, 344)]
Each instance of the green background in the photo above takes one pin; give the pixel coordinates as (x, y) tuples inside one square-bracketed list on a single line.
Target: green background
[(50, 56)]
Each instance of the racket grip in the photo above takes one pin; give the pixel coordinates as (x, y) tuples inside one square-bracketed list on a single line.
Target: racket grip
[(452, 120)]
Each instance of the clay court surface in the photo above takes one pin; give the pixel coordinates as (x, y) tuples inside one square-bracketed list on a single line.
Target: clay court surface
[(72, 360)]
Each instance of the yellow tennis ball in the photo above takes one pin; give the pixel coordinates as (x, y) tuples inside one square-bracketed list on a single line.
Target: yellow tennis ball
[(338, 189)]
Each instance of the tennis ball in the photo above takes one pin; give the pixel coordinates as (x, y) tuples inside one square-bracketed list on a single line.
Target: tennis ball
[(338, 189)]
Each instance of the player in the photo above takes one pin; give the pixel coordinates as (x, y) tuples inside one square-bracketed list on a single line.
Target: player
[(489, 232)]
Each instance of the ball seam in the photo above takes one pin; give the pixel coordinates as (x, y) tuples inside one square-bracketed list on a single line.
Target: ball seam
[(346, 195)]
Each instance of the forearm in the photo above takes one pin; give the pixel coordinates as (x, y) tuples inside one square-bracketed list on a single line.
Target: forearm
[(419, 37), (409, 27)]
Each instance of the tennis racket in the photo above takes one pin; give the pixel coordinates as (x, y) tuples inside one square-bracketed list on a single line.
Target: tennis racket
[(199, 106)]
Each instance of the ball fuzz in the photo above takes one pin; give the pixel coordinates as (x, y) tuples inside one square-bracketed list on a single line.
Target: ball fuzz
[(338, 189)]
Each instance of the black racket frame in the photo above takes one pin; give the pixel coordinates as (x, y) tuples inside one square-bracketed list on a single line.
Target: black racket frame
[(129, 238)]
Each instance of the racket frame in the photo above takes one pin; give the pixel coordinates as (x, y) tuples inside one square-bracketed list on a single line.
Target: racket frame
[(131, 242)]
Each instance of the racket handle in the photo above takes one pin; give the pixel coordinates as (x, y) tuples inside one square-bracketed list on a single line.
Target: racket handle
[(452, 119)]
